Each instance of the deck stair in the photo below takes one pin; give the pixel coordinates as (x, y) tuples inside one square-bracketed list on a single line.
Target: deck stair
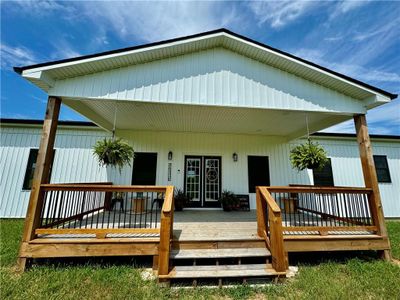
[(221, 264)]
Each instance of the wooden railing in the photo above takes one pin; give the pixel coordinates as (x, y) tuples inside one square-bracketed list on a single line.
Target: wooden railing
[(101, 209), (309, 210), (269, 226), (91, 209), (324, 209), (166, 232)]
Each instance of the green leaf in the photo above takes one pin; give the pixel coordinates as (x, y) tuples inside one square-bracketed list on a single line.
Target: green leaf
[(115, 153), (308, 156)]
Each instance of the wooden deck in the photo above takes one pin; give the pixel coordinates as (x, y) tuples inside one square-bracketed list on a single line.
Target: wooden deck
[(81, 221), (198, 225)]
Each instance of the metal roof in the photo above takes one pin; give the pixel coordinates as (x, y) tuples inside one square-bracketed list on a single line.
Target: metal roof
[(45, 73)]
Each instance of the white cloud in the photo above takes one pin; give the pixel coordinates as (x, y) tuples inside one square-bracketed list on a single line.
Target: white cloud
[(344, 7), (280, 13), (352, 70), (151, 21), (40, 8), (63, 49), (16, 56), (12, 115)]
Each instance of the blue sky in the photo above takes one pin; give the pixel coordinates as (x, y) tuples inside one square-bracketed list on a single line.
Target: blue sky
[(358, 38)]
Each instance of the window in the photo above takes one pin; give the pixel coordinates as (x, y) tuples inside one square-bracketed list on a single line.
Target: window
[(258, 172), (30, 168), (144, 168), (382, 168), (324, 177)]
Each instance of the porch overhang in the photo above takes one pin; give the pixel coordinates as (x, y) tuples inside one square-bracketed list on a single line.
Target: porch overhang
[(135, 115), (217, 82)]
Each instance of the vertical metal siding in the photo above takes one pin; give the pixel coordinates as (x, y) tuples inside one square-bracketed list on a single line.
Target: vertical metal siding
[(74, 161), (212, 77)]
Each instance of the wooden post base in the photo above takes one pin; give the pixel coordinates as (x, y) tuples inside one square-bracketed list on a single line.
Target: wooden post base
[(165, 283), (155, 262), (22, 264), (385, 255)]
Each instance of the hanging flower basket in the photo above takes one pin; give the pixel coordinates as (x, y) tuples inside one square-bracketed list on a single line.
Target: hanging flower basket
[(308, 156), (113, 152)]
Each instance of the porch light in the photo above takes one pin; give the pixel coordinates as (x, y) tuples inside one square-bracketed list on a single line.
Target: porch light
[(170, 155), (235, 157)]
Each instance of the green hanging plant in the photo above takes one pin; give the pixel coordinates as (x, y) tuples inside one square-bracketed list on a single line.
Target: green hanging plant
[(113, 152), (309, 155)]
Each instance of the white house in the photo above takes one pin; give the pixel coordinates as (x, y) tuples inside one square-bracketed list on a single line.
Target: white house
[(74, 160), (204, 113)]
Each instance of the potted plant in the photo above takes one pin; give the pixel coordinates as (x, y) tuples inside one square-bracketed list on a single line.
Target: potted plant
[(309, 155), (113, 152), (228, 201), (180, 199)]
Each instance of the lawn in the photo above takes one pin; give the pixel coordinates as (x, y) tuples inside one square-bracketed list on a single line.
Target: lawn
[(344, 276)]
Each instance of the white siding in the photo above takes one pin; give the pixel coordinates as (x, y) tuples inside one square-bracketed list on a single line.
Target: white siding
[(74, 161), (212, 77)]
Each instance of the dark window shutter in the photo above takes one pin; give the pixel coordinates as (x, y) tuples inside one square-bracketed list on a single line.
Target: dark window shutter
[(144, 169), (324, 177), (258, 172), (382, 168), (30, 168)]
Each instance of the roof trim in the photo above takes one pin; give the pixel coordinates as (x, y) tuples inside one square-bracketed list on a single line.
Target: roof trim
[(40, 122), (19, 70), (90, 124), (353, 135)]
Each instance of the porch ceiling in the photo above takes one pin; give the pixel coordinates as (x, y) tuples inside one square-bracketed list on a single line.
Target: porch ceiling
[(196, 118)]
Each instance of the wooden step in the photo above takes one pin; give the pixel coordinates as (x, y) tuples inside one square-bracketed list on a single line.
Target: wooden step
[(222, 271), (227, 244), (219, 253)]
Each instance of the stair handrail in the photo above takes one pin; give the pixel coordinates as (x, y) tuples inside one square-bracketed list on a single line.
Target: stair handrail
[(166, 231), (269, 227)]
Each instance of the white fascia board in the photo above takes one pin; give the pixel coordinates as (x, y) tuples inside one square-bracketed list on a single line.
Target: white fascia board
[(36, 76), (375, 101), (113, 55)]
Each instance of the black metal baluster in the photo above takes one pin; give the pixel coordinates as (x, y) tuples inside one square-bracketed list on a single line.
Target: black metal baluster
[(123, 210), (130, 210), (87, 204), (135, 209), (351, 208), (49, 206), (45, 202), (358, 206), (363, 211), (73, 198), (368, 212), (145, 208)]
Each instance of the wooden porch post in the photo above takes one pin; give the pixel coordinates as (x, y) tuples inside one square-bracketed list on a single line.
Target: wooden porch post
[(370, 177), (41, 175)]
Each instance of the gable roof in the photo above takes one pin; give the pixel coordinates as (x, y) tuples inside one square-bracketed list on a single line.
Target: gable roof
[(78, 66)]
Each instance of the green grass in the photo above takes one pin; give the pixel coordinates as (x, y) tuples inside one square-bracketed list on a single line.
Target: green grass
[(343, 276)]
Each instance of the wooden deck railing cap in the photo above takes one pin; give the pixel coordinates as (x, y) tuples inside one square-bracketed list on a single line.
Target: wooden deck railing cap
[(103, 188)]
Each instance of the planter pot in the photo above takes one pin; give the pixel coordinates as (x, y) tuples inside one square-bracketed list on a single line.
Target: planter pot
[(138, 205), (227, 207), (312, 166)]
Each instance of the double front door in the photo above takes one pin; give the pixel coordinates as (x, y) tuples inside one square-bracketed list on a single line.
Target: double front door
[(203, 180)]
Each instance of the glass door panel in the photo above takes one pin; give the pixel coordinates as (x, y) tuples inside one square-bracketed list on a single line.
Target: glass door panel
[(193, 179)]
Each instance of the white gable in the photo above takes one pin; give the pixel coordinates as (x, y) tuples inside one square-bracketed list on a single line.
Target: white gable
[(213, 77)]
